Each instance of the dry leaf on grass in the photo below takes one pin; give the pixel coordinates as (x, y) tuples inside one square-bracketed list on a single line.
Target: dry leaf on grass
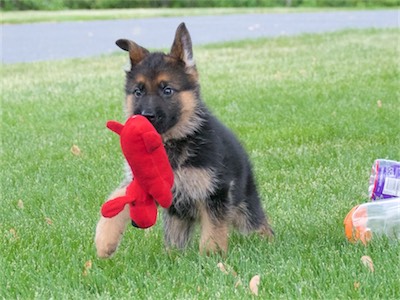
[(222, 268), (75, 150), (367, 262), (87, 267), (88, 264), (226, 270), (13, 233), (238, 283), (20, 204), (49, 221), (379, 103), (356, 285), (254, 282)]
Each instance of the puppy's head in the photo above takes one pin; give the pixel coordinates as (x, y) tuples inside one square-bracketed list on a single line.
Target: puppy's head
[(164, 87)]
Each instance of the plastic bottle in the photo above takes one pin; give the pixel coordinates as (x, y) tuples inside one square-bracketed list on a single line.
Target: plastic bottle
[(378, 218), (385, 179)]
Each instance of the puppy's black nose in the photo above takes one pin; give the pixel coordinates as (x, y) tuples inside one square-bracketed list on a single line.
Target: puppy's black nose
[(149, 115)]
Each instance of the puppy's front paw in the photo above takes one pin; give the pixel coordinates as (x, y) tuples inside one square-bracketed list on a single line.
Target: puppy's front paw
[(105, 250), (108, 236)]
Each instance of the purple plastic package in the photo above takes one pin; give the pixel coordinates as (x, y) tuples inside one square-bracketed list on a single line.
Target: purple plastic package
[(385, 179)]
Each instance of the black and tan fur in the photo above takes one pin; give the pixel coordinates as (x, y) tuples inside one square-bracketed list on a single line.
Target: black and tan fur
[(214, 183)]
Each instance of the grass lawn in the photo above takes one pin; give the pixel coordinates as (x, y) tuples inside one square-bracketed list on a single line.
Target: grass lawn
[(305, 107), (15, 17)]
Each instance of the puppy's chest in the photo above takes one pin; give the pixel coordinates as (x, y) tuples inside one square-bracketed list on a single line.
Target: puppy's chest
[(193, 184), (179, 153)]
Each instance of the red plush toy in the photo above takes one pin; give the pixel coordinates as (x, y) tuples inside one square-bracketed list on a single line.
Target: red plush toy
[(153, 177)]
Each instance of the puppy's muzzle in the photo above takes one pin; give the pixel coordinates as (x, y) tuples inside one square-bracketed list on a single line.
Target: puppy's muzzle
[(149, 115)]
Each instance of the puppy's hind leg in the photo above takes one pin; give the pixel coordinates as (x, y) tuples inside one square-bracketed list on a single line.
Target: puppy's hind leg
[(249, 217), (265, 230), (109, 230)]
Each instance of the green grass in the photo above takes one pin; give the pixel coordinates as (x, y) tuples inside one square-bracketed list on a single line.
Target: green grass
[(15, 17), (306, 109)]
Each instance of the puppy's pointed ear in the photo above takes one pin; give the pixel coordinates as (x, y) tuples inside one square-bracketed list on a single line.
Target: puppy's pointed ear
[(182, 46), (136, 52)]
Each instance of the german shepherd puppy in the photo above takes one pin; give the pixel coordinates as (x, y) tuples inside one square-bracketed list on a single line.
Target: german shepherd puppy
[(214, 183)]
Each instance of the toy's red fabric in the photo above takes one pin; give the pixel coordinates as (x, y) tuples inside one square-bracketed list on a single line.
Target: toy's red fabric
[(153, 177)]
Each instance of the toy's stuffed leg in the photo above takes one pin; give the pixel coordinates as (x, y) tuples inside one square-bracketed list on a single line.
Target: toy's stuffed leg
[(109, 230)]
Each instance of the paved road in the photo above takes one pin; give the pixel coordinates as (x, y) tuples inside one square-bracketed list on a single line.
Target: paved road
[(52, 41)]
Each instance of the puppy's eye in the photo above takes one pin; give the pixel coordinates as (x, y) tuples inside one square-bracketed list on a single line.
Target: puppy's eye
[(137, 92), (167, 91)]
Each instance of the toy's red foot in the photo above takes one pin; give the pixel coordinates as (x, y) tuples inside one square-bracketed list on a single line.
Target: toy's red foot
[(113, 207)]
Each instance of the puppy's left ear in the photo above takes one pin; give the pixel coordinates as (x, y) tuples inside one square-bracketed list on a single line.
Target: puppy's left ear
[(136, 52), (182, 46)]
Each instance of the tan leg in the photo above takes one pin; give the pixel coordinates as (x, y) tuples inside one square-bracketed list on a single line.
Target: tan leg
[(214, 235), (109, 230)]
